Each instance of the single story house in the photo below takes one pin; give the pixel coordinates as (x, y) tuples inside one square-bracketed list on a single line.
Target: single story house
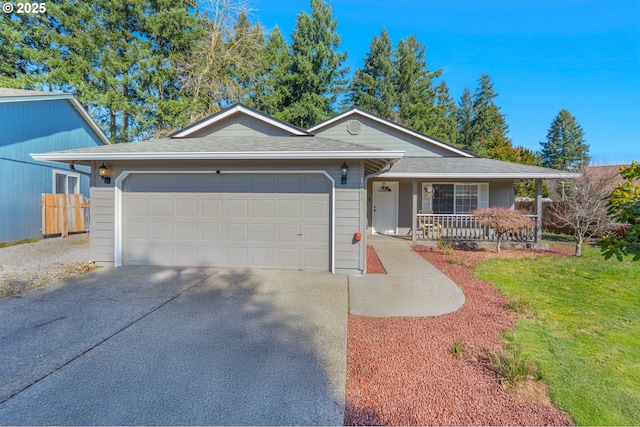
[(242, 189), (32, 121)]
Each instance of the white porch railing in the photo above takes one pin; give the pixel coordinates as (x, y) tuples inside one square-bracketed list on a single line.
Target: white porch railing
[(465, 227)]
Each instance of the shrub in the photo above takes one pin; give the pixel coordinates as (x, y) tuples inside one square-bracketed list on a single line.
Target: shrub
[(503, 221), (512, 367)]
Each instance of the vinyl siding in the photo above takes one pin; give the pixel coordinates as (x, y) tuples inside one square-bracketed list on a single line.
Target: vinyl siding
[(240, 125), (376, 135), (35, 127), (102, 225)]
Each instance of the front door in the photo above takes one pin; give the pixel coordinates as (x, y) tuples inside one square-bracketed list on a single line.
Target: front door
[(385, 207)]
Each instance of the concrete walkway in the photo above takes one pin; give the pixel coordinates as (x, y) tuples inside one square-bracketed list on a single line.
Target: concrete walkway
[(412, 286)]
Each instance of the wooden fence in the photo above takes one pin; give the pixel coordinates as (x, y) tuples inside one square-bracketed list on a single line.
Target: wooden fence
[(550, 221), (63, 214)]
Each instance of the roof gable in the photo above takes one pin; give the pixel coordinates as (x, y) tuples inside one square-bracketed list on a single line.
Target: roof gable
[(399, 137), (8, 95), (239, 120)]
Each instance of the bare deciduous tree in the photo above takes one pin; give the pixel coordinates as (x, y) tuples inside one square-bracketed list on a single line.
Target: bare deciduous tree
[(502, 220), (220, 67), (584, 209)]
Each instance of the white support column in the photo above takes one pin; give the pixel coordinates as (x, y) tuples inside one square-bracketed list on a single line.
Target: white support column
[(538, 235), (414, 211)]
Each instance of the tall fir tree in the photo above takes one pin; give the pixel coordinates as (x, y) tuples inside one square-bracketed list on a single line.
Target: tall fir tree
[(565, 148), (464, 118), (479, 118), (414, 86), (270, 94), (113, 56), (316, 74), (444, 126), (372, 86)]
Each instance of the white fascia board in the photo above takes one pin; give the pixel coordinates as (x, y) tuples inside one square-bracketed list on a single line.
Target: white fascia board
[(393, 126), (87, 118), (566, 175), (238, 108), (31, 98), (254, 155)]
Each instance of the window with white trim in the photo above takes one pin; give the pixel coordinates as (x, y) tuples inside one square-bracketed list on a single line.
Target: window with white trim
[(452, 198), (66, 182)]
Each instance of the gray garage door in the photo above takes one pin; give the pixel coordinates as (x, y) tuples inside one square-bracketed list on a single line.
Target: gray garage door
[(227, 220)]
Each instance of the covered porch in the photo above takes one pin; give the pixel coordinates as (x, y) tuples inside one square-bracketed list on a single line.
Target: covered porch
[(435, 197)]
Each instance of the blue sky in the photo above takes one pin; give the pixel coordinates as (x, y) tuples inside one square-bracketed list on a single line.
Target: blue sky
[(542, 55)]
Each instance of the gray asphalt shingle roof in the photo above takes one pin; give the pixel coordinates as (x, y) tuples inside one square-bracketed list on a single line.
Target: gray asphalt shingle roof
[(437, 167), (227, 144)]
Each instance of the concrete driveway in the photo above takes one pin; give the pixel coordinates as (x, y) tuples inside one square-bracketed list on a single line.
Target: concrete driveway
[(143, 345)]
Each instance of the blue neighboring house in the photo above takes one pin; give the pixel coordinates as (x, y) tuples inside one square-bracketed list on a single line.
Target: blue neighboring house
[(38, 122)]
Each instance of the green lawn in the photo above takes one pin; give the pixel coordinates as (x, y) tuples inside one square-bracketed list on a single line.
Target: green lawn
[(581, 325)]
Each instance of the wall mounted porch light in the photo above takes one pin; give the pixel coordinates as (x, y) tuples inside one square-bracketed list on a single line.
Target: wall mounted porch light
[(102, 171), (344, 170)]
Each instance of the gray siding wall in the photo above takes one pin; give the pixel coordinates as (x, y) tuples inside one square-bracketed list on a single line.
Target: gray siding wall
[(376, 135), (349, 255), (35, 127), (102, 225), (500, 194), (241, 125)]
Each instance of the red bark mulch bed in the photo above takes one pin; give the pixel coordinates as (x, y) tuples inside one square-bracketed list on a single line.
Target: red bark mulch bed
[(374, 266), (401, 371)]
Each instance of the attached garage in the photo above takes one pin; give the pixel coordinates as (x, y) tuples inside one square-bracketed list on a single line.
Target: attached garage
[(240, 220)]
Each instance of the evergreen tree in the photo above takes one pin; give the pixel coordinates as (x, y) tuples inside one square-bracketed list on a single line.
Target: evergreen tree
[(372, 86), (444, 126), (565, 147), (414, 87), (316, 75), (464, 118), (479, 119), (115, 57), (270, 93)]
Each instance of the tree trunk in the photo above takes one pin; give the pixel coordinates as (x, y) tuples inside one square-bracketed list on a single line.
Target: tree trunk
[(578, 245), (499, 240)]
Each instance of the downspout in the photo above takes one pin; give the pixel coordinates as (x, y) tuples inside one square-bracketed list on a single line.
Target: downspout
[(364, 184), (72, 166)]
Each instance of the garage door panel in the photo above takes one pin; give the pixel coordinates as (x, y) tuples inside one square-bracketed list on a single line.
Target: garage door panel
[(262, 232), (316, 234), (314, 258), (211, 256), (262, 257), (162, 230), (162, 255), (315, 209), (288, 233), (262, 208), (237, 232), (187, 231), (265, 221), (161, 207), (211, 231), (288, 258), (187, 208), (237, 208), (237, 256), (211, 208), (137, 229), (288, 209), (187, 255)]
